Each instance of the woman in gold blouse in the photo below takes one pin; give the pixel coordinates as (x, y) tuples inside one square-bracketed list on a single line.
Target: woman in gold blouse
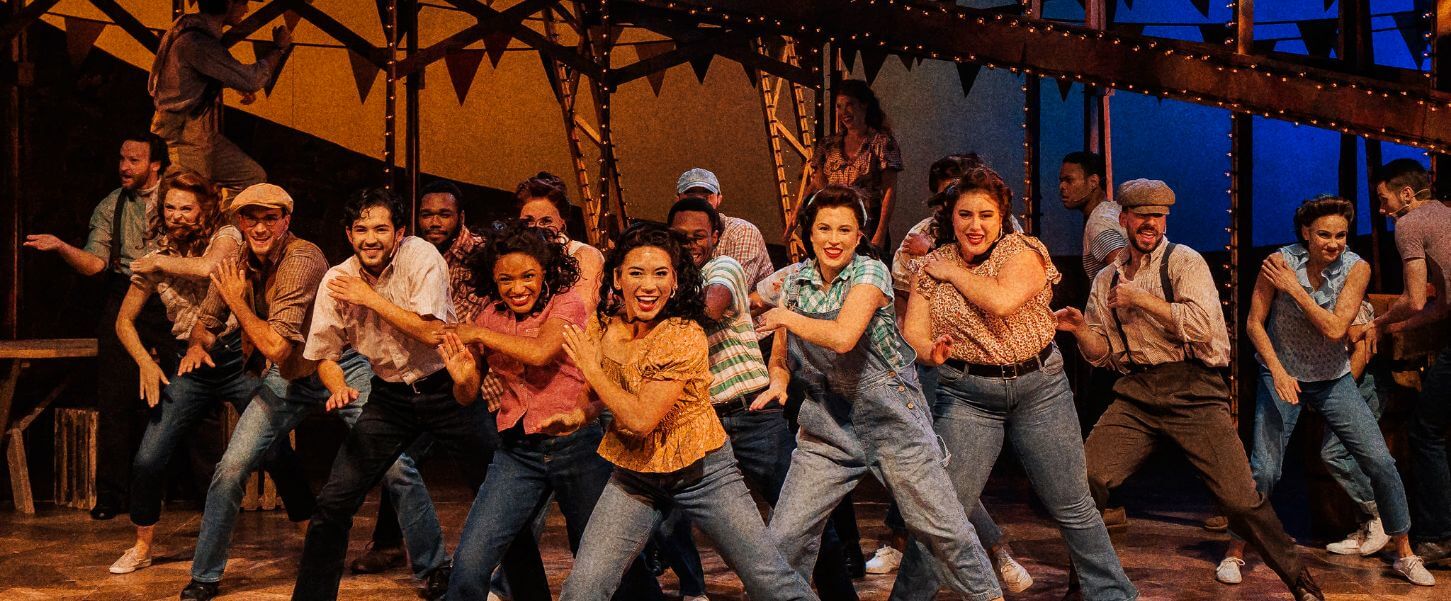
[(646, 359), (979, 309)]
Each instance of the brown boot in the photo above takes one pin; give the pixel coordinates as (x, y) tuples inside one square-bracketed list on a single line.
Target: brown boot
[(1306, 589), (377, 560)]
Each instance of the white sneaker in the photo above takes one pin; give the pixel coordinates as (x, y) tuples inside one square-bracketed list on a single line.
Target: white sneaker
[(131, 561), (1015, 578), (1375, 538), (695, 598), (1414, 570), (885, 561), (1351, 544), (1228, 571)]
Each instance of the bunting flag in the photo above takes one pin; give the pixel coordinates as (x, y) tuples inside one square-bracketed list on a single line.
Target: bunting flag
[(1135, 29), (1064, 86), (463, 66), (1319, 35), (1329, 3), (1202, 6), (495, 43), (80, 37), (364, 74), (261, 48), (405, 17), (1264, 46), (551, 74), (1413, 30), (848, 58), (967, 73), (291, 18), (1215, 33), (752, 75), (872, 63), (648, 50), (908, 61), (700, 63)]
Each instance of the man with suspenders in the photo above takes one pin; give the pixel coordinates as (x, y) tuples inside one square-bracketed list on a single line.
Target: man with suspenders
[(1154, 315)]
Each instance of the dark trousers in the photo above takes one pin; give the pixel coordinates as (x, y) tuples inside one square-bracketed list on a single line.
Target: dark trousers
[(122, 414), (1430, 416), (395, 416), (1187, 404), (387, 531)]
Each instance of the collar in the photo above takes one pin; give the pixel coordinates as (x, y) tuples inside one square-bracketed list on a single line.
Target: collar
[(1124, 258), (463, 244), (811, 274), (1301, 254), (270, 261)]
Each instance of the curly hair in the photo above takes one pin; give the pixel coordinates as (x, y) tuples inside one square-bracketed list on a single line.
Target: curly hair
[(835, 196), (1321, 206), (688, 301), (208, 197), (561, 271), (860, 91), (369, 198), (978, 179)]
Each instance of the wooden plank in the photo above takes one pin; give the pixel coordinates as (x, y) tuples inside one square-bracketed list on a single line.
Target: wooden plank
[(54, 348), (129, 23), (27, 15), (19, 472)]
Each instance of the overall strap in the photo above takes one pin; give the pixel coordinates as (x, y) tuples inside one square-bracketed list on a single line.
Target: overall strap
[(118, 233)]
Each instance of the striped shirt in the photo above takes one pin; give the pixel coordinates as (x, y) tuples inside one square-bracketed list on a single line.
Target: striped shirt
[(736, 366), (798, 287), (1102, 234)]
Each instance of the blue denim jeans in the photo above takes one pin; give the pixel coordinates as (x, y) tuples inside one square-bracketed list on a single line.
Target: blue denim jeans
[(712, 494), (1430, 416), (1347, 416), (278, 408), (1036, 413), (527, 471), (1341, 464), (185, 403)]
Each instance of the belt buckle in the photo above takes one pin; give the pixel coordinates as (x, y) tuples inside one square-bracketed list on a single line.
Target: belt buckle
[(1013, 369)]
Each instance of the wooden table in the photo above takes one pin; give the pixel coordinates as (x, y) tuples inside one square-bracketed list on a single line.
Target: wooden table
[(19, 354)]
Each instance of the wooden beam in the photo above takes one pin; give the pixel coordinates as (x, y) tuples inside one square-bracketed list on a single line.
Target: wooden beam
[(655, 64), (126, 21), (731, 44), (22, 18), (490, 21), (347, 37), (255, 21), (1188, 71)]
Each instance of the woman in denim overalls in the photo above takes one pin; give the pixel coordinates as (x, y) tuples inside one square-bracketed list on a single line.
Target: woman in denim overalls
[(979, 309), (864, 410)]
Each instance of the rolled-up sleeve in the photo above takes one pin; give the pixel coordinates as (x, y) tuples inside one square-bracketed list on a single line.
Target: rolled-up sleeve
[(213, 60), (327, 338), (1195, 301), (429, 273), (98, 241)]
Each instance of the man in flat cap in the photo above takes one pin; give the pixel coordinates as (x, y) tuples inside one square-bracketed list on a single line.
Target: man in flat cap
[(271, 292), (1153, 314)]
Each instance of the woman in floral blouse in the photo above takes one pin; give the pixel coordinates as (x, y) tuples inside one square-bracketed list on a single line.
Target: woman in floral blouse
[(863, 153)]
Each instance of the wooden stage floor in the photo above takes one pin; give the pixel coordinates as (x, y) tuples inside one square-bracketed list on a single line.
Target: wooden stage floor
[(60, 554)]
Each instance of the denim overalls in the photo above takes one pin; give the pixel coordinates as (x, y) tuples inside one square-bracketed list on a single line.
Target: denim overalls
[(864, 413)]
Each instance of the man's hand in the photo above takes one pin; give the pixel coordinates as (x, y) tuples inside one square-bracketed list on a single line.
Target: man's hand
[(196, 356), (342, 398), (44, 242), (561, 424), (148, 264), (1070, 319), (1278, 272), (282, 37), (1126, 295), (231, 284), (773, 394), (918, 244), (152, 379), (352, 290)]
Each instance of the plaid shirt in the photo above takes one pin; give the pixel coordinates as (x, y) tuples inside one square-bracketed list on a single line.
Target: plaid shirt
[(741, 240), (798, 287), (460, 278)]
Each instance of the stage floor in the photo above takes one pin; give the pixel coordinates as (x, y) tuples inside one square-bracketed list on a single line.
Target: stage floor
[(61, 554)]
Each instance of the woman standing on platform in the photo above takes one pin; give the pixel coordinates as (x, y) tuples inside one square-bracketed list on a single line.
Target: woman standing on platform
[(862, 153), (547, 424), (543, 201), (1305, 299), (864, 409), (645, 357), (979, 310)]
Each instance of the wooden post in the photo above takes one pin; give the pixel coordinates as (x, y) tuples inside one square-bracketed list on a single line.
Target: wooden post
[(412, 146), (15, 73), (390, 101), (1097, 113), (1440, 45), (1241, 224)]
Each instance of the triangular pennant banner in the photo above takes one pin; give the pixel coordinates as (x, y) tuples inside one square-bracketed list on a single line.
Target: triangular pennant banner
[(1064, 86), (648, 50), (1329, 3), (405, 16), (1319, 36), (552, 75), (463, 65), (364, 74), (701, 64), (907, 61), (80, 37), (1202, 6), (261, 48), (752, 75), (872, 63), (1412, 28), (1264, 46), (291, 18), (1129, 4), (848, 58), (495, 43), (1135, 29), (967, 73), (1215, 33)]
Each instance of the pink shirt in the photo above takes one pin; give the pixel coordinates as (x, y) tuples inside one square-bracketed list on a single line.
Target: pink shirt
[(534, 393)]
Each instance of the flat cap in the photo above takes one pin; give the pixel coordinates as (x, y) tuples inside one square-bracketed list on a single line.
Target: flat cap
[(269, 196), (1145, 196)]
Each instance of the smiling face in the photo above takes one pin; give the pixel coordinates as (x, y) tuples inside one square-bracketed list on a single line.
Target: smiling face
[(439, 219), (646, 278), (1325, 237), (1145, 231), (182, 212), (834, 237), (374, 238), (519, 278), (851, 114), (262, 227), (700, 236), (976, 222), (540, 212)]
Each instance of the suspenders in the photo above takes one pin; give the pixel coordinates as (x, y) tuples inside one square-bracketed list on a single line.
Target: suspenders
[(1166, 284)]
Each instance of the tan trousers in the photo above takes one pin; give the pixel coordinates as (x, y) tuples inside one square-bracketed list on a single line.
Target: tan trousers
[(196, 145)]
